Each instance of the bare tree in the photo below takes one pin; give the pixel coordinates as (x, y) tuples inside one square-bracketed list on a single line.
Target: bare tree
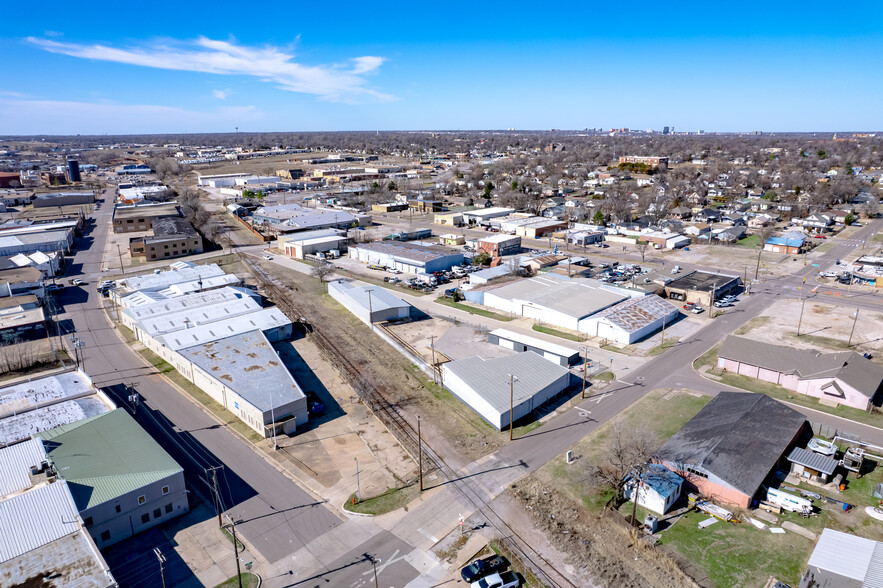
[(322, 270), (642, 248), (628, 452)]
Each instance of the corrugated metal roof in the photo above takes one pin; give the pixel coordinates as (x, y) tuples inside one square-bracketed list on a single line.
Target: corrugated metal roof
[(489, 378), (874, 575), (535, 342), (635, 314), (35, 518), (106, 456), (264, 319), (843, 554), (15, 463), (813, 460), (200, 315), (165, 279)]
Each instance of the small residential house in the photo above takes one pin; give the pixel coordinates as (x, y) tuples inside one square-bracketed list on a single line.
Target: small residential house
[(791, 245), (659, 488), (697, 229), (817, 222), (759, 221), (844, 377)]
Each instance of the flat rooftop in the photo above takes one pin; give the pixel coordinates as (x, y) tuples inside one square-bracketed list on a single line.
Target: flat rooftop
[(191, 302), (701, 281), (165, 279), (409, 251), (535, 342), (21, 318), (575, 298), (46, 390), (249, 365), (262, 320), (146, 210), (194, 317)]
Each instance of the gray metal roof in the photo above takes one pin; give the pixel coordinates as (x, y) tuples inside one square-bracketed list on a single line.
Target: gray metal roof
[(25, 395), (381, 298), (874, 575), (201, 315), (167, 278), (738, 437), (813, 460), (576, 298), (191, 301), (409, 251), (490, 377), (635, 314), (35, 518), (15, 463), (843, 554), (247, 364), (535, 342)]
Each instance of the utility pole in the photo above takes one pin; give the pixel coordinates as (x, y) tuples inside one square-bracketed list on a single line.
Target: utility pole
[(585, 351), (419, 454), (374, 564), (662, 344), (273, 418), (512, 380), (800, 320), (757, 269), (855, 320), (213, 472), (432, 346), (120, 253), (232, 526), (370, 308), (162, 559), (358, 487)]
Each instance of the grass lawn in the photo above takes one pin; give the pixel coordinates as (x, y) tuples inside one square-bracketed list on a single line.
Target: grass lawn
[(751, 241), (670, 342), (229, 537), (473, 310), (878, 238), (824, 247), (392, 499), (738, 554), (755, 323), (604, 377), (249, 580), (707, 359), (821, 341), (780, 393), (557, 333)]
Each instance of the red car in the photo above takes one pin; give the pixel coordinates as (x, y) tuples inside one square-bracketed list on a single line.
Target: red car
[(819, 237), (689, 306)]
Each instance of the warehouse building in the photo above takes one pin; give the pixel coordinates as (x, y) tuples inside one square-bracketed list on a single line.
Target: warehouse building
[(63, 199), (180, 272), (18, 324), (121, 480), (30, 241), (21, 281), (485, 385), (371, 305), (482, 216), (631, 320), (43, 534), (299, 245), (553, 299), (192, 303), (43, 403), (563, 356), (407, 257)]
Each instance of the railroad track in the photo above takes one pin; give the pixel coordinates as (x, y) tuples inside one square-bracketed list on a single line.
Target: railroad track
[(389, 414)]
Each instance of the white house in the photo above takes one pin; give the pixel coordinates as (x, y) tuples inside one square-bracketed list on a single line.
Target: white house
[(659, 489)]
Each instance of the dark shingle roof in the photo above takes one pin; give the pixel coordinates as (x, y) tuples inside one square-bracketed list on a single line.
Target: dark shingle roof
[(738, 437)]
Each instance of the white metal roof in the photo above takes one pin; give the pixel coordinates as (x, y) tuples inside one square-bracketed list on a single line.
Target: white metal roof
[(15, 463), (263, 320), (35, 518), (381, 298), (177, 276), (200, 315), (43, 390), (193, 301), (534, 342), (843, 554), (182, 288)]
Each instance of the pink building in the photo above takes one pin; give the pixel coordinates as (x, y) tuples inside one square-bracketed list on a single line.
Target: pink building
[(845, 378)]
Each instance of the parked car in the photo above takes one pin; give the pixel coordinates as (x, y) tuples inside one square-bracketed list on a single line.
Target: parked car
[(77, 282), (689, 306), (819, 237), (722, 304), (483, 567), (504, 580), (697, 309), (267, 256), (50, 288)]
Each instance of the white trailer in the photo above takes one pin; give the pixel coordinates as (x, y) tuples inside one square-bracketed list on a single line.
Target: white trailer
[(789, 501)]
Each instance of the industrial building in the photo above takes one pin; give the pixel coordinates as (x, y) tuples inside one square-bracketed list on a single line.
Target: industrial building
[(563, 356), (121, 480), (47, 263), (43, 535), (139, 217), (43, 403), (299, 245), (31, 239), (702, 288), (172, 237), (490, 386), (481, 216), (631, 320), (63, 199), (369, 304), (190, 305), (180, 272), (407, 257), (499, 245), (553, 299), (19, 281), (19, 324)]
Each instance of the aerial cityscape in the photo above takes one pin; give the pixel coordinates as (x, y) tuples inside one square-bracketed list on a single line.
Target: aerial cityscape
[(397, 300)]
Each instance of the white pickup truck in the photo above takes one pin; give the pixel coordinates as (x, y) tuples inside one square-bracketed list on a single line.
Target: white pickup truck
[(502, 580)]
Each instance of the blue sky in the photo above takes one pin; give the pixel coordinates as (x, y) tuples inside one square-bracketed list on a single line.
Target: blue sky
[(101, 67)]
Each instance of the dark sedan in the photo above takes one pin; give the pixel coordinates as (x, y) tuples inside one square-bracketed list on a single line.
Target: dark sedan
[(483, 567)]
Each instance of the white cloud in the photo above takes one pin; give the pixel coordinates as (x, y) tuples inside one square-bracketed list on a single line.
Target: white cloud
[(221, 94), (267, 63), (28, 117)]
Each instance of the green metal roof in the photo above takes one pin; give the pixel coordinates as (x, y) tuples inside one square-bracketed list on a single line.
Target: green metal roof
[(106, 456)]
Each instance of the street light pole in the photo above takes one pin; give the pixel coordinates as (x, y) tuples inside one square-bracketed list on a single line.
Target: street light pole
[(512, 380), (800, 320), (851, 332), (162, 559), (585, 351)]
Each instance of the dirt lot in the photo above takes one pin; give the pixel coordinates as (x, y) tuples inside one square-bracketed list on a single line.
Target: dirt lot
[(824, 326)]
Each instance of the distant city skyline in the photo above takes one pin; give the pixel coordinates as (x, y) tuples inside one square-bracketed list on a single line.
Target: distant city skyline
[(96, 68)]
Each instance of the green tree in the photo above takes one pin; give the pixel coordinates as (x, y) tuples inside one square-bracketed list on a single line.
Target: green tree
[(849, 219), (821, 154), (392, 187), (849, 170), (598, 219), (514, 184), (481, 259), (488, 188)]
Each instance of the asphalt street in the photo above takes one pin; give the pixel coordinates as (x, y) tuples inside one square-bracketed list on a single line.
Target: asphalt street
[(278, 517)]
